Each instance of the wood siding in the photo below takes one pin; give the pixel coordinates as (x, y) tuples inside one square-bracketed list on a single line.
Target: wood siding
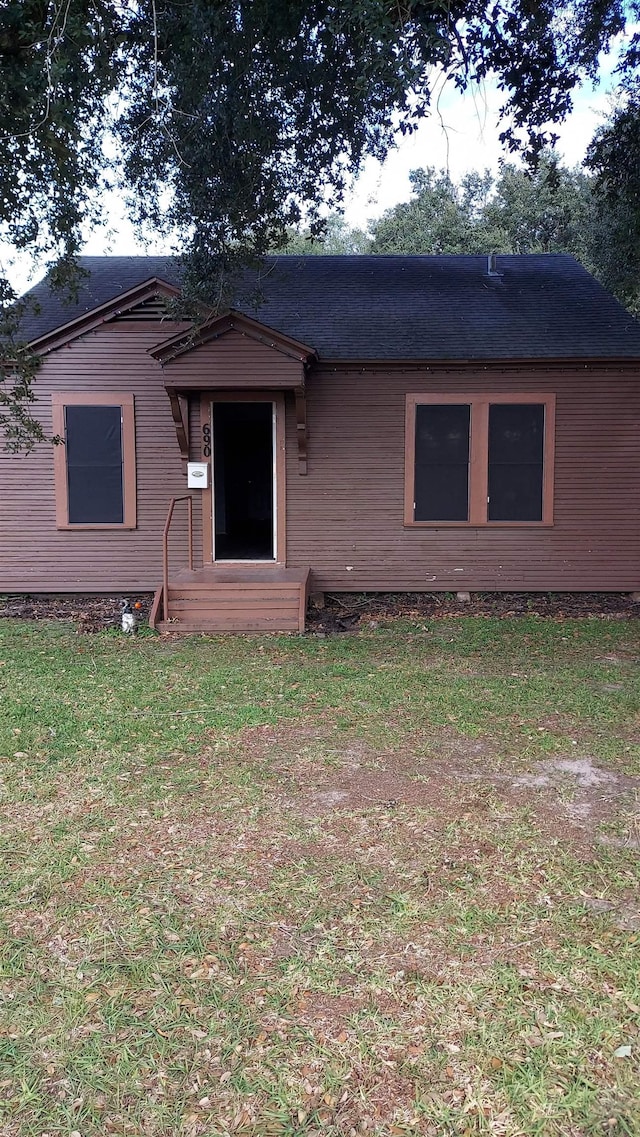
[(233, 360), (344, 520), (37, 557)]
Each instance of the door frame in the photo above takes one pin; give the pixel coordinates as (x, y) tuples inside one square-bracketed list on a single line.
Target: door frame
[(207, 402)]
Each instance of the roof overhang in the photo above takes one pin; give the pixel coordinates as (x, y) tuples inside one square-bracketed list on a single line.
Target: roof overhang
[(176, 345), (119, 304), (178, 389), (452, 362)]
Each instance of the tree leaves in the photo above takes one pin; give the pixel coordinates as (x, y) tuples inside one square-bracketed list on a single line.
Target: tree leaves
[(226, 123), (550, 210), (614, 159), (234, 120)]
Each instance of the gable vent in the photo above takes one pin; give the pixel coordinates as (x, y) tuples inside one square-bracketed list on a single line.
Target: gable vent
[(153, 309)]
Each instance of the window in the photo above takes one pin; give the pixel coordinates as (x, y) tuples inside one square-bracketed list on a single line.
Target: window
[(442, 435), (95, 472), (479, 459)]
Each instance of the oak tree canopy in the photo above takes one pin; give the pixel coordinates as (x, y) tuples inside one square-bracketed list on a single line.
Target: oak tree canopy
[(225, 122)]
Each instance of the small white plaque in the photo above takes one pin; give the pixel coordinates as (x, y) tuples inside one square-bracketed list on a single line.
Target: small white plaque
[(197, 475)]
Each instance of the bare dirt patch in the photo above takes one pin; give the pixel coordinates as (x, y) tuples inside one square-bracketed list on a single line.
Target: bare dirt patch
[(625, 914), (571, 795), (579, 788), (363, 789)]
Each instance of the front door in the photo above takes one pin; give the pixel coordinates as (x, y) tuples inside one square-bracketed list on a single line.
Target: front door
[(244, 490)]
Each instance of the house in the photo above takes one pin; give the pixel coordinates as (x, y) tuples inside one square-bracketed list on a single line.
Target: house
[(357, 423)]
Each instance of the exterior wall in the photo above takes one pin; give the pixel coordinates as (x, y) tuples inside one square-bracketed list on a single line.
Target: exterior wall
[(348, 511), (345, 518), (34, 555)]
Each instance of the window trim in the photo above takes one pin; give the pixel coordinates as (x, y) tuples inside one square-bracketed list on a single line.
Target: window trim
[(479, 458), (125, 401)]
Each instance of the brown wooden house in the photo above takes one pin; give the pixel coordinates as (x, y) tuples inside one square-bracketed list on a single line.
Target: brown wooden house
[(361, 423)]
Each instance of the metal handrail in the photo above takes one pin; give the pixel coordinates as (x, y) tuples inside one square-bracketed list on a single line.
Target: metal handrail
[(165, 547)]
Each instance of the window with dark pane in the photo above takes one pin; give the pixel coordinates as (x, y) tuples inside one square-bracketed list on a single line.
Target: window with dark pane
[(516, 456), (94, 465), (442, 462)]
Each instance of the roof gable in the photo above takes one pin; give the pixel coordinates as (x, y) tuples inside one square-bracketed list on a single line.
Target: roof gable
[(231, 321), (125, 303)]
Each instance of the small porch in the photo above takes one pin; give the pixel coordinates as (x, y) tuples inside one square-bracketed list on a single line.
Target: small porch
[(214, 599), (235, 374)]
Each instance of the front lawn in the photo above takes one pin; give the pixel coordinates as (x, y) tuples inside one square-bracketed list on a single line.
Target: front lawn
[(383, 883)]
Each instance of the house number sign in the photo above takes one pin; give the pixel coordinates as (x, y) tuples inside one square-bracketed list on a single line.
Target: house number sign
[(206, 440)]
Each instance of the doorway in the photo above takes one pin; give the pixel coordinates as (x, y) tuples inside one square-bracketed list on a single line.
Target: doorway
[(244, 498)]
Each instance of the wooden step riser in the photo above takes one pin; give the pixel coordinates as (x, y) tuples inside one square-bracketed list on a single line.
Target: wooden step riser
[(225, 607), (187, 589), (218, 627), (263, 618), (292, 599)]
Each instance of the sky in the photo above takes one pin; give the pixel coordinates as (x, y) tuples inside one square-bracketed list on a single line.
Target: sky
[(460, 135)]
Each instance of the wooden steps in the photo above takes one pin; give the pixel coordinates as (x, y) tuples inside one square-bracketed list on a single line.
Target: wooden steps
[(233, 600)]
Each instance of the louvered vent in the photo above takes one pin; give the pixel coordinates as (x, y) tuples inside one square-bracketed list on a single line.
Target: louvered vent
[(155, 308)]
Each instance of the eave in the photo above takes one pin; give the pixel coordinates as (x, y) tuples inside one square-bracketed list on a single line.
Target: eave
[(433, 363)]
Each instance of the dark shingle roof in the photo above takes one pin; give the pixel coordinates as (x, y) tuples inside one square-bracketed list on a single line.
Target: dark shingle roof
[(379, 307)]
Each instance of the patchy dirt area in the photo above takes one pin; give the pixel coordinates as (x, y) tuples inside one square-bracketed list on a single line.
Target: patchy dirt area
[(346, 611), (572, 796), (557, 791), (342, 612), (365, 794), (90, 613)]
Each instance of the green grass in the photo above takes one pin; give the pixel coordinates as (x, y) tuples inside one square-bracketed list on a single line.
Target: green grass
[(290, 885)]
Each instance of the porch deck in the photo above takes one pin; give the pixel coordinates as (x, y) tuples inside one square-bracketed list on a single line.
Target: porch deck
[(233, 598)]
